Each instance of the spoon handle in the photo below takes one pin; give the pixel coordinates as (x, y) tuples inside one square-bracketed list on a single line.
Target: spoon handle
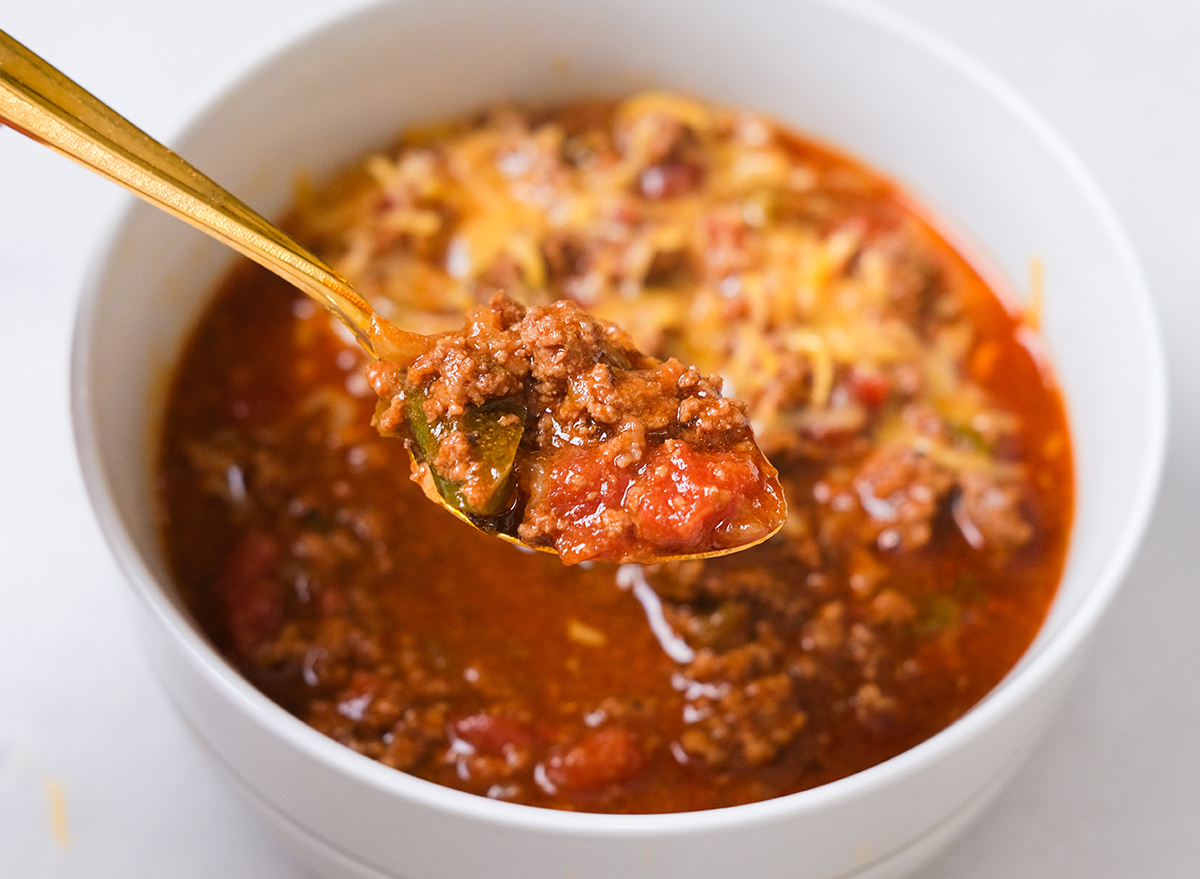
[(43, 103)]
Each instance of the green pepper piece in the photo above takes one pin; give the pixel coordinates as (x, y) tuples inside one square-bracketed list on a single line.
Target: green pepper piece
[(493, 432)]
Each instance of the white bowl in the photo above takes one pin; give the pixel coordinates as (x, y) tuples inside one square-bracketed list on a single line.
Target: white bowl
[(856, 77)]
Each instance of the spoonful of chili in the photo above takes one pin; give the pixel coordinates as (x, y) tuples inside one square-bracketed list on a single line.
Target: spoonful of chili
[(543, 426)]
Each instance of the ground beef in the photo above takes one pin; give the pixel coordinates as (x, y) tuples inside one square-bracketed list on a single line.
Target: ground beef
[(899, 490), (988, 512), (623, 457)]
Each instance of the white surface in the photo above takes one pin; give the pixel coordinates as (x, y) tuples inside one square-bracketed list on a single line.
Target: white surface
[(1114, 791)]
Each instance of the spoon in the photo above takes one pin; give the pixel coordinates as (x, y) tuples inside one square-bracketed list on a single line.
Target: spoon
[(41, 102)]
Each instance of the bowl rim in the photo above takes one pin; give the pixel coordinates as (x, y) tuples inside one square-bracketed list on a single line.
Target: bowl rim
[(1031, 671)]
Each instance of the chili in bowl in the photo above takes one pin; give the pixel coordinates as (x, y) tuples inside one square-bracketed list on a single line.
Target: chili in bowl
[(922, 444), (407, 698)]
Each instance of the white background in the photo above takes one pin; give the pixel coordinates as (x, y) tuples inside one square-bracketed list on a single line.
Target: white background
[(1114, 788)]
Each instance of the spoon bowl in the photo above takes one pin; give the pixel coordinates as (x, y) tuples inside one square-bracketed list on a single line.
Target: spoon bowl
[(43, 103)]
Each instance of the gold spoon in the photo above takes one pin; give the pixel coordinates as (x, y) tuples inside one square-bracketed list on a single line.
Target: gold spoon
[(43, 103)]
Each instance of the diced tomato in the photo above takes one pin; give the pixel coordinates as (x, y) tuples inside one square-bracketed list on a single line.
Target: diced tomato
[(363, 688), (492, 734), (681, 500), (585, 497), (659, 182), (251, 603), (685, 495), (870, 387), (600, 758)]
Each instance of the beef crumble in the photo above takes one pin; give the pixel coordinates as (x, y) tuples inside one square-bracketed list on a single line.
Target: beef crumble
[(588, 445)]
